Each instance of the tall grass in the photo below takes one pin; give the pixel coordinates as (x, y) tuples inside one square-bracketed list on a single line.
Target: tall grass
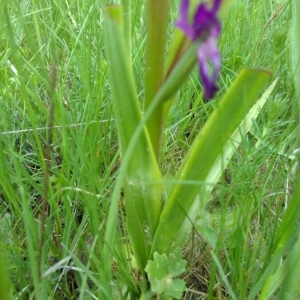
[(246, 208)]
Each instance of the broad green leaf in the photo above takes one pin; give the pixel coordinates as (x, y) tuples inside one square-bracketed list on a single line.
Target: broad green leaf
[(135, 143), (127, 22), (141, 177), (205, 230), (162, 271), (203, 222), (236, 139), (182, 207)]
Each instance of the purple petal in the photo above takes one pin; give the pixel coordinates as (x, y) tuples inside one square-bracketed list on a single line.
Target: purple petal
[(206, 28), (183, 21), (216, 5), (208, 53), (204, 21), (184, 9)]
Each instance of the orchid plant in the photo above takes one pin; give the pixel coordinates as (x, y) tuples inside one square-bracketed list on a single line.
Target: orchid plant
[(158, 219)]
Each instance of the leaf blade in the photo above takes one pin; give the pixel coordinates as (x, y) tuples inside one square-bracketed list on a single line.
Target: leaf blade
[(141, 177), (178, 211)]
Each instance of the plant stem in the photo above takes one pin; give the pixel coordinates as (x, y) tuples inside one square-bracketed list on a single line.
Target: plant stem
[(157, 19)]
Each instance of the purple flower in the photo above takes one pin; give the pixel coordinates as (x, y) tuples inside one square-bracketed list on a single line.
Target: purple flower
[(206, 28)]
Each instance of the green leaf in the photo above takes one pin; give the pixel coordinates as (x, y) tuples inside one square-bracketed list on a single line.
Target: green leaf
[(182, 207), (161, 272), (178, 74), (204, 228), (157, 21), (127, 8), (140, 175), (206, 231), (295, 46), (236, 138), (285, 278)]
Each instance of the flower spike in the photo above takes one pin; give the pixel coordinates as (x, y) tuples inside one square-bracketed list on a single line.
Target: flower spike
[(205, 28)]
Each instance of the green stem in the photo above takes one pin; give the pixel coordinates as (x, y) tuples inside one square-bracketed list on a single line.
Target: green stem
[(127, 22), (142, 183), (157, 19)]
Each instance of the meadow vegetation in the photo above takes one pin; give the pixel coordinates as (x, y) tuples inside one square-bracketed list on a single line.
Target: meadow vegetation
[(59, 157)]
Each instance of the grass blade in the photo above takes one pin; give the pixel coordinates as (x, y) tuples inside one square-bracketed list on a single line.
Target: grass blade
[(286, 243)]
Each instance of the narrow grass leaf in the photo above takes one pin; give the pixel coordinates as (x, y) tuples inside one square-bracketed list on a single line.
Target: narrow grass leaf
[(285, 244), (224, 277), (285, 278)]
